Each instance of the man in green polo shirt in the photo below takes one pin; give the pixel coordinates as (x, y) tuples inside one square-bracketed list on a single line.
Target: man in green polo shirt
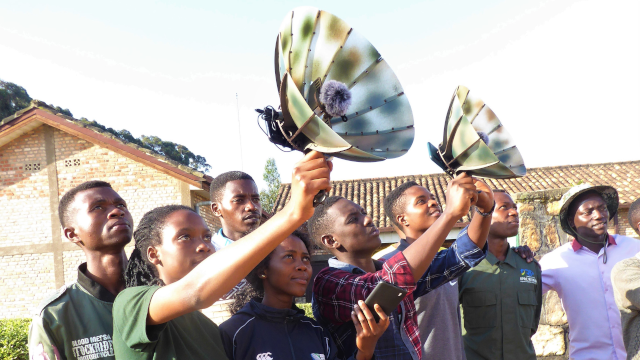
[(75, 322), (501, 298)]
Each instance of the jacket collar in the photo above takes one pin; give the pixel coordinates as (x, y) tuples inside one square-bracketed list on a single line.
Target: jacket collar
[(340, 265), (220, 241), (510, 259), (265, 312), (93, 287)]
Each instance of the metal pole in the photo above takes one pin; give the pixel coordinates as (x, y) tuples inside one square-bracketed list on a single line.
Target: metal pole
[(239, 134)]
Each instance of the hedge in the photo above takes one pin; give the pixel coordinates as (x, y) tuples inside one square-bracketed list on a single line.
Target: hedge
[(14, 338), (307, 309)]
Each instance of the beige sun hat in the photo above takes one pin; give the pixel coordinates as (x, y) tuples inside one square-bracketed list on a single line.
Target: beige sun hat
[(608, 193)]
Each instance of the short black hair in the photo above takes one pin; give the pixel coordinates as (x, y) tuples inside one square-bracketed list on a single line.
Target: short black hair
[(69, 197), (140, 271), (254, 289), (634, 215), (320, 224), (500, 191), (220, 182), (396, 200)]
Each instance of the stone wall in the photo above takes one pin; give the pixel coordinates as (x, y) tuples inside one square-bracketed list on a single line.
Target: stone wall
[(35, 170), (540, 230)]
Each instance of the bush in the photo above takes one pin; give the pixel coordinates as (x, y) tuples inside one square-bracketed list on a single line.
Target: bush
[(307, 309), (14, 335)]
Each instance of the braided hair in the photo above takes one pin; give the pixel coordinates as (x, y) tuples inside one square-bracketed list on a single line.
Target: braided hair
[(140, 271), (254, 289)]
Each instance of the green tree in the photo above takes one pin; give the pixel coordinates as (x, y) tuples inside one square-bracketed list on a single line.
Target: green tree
[(272, 177), (12, 98)]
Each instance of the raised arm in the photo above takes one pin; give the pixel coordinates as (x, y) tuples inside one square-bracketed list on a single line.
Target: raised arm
[(220, 272), (461, 194)]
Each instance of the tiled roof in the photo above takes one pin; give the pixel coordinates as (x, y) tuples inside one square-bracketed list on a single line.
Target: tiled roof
[(370, 193), (44, 106)]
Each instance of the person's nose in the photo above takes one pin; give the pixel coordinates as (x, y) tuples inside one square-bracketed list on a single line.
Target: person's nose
[(203, 247), (368, 220), (116, 212), (301, 266), (513, 212), (600, 214), (250, 206)]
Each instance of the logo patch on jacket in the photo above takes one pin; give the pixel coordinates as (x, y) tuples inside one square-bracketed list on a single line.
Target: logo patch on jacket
[(528, 276), (317, 356), (264, 356)]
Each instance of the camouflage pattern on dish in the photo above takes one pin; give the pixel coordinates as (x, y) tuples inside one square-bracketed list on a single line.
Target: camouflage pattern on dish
[(462, 148), (314, 47)]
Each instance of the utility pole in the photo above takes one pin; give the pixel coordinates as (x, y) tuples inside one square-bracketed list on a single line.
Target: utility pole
[(239, 134)]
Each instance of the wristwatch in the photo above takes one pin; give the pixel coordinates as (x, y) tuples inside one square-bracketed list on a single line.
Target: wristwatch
[(487, 213)]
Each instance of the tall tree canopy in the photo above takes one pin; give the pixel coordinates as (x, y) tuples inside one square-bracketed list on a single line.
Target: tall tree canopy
[(14, 97), (272, 177)]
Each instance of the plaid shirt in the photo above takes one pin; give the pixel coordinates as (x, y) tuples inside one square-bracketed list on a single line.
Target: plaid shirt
[(338, 288)]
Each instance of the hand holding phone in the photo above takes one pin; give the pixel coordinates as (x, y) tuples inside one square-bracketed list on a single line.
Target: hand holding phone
[(368, 331), (388, 296)]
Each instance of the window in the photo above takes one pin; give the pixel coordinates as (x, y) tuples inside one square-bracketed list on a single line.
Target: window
[(72, 162), (32, 167)]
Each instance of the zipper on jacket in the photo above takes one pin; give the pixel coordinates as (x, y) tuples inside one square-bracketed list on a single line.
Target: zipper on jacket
[(286, 330)]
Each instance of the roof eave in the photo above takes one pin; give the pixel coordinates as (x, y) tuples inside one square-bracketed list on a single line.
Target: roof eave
[(33, 113)]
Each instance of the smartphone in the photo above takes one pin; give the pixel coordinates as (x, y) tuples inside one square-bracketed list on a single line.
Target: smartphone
[(388, 296)]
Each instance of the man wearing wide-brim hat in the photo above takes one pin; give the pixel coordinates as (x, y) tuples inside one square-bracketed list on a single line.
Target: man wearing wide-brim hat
[(580, 271)]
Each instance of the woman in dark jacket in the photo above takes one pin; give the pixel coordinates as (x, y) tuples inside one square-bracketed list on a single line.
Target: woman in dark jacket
[(270, 326)]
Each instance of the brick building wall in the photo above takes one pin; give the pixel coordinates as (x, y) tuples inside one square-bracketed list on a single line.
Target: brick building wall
[(35, 258), (23, 190), (623, 224), (205, 212)]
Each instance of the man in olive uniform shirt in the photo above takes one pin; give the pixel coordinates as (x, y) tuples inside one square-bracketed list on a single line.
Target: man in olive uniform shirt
[(501, 298), (75, 322)]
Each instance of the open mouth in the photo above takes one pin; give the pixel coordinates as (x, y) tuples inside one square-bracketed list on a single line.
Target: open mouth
[(599, 226), (435, 213)]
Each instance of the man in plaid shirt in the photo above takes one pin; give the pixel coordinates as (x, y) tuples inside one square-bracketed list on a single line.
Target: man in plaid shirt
[(345, 229)]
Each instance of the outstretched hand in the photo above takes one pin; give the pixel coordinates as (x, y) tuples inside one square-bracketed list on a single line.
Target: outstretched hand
[(368, 331), (309, 176), (485, 196), (461, 194)]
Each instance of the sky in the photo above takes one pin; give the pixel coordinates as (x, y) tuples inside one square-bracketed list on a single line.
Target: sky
[(562, 75)]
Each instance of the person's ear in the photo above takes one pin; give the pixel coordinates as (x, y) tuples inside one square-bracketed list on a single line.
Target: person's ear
[(154, 256), (215, 209), (329, 241), (71, 235), (262, 274), (402, 220)]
